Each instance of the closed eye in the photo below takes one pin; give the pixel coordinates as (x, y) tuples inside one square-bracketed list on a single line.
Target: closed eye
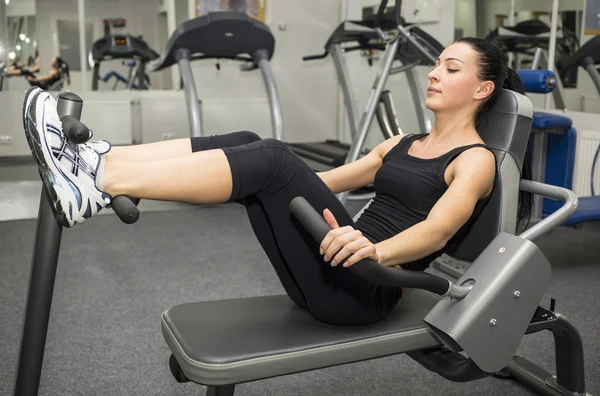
[(452, 70)]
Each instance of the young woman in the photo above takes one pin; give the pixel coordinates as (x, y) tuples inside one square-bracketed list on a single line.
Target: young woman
[(43, 82), (430, 188)]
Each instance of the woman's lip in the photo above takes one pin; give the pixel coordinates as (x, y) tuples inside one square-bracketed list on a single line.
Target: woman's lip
[(433, 90)]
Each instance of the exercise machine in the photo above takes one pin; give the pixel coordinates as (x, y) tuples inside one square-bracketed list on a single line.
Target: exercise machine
[(463, 330), (133, 67), (222, 35), (587, 57), (407, 44), (527, 36), (554, 141), (122, 46)]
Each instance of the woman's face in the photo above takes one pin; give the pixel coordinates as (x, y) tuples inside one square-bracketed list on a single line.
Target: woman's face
[(54, 63), (454, 82)]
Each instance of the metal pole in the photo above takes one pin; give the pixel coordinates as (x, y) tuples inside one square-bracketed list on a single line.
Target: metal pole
[(511, 22), (426, 54), (341, 69), (372, 103), (415, 88), (191, 96), (39, 301), (82, 49), (552, 45), (537, 57), (588, 64), (260, 57), (41, 282)]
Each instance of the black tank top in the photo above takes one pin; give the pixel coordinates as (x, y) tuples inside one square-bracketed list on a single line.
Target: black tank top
[(407, 188)]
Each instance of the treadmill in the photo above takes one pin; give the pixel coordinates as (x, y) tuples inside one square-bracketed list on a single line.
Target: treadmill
[(123, 46), (588, 57), (407, 44), (526, 37), (222, 35)]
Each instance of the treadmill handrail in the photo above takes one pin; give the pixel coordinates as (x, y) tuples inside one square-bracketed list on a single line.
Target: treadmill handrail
[(371, 270)]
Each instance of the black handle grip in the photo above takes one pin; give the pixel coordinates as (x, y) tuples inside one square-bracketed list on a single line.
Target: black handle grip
[(75, 130), (315, 57), (126, 208), (588, 60), (368, 269)]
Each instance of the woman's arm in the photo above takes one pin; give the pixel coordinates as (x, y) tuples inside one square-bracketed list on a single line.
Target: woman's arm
[(50, 76), (358, 173), (472, 176)]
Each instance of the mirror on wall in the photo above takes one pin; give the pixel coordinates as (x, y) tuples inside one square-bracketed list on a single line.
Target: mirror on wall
[(19, 50), (21, 45)]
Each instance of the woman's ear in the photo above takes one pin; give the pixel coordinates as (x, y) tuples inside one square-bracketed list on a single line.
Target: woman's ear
[(484, 90)]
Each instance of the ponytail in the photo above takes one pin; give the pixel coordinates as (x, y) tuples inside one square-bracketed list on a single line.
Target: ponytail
[(493, 66), (64, 68), (513, 82)]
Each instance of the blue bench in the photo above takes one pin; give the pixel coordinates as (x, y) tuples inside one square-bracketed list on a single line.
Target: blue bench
[(560, 143)]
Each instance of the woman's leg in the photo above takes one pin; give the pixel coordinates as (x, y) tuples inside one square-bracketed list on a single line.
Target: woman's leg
[(271, 175), (38, 84), (266, 170), (177, 147)]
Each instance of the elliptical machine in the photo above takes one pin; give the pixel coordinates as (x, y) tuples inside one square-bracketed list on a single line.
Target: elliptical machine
[(400, 42)]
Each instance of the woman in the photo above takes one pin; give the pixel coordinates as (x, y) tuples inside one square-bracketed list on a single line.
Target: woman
[(430, 188), (44, 82)]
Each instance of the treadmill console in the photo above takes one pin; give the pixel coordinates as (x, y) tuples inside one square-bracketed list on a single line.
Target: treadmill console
[(122, 46)]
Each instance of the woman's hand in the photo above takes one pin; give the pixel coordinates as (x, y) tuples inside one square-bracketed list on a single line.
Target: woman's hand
[(347, 242)]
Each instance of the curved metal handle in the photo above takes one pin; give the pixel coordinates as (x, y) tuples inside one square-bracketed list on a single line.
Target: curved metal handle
[(555, 219), (369, 269)]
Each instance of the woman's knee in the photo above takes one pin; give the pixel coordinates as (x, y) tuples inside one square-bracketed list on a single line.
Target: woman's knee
[(247, 136)]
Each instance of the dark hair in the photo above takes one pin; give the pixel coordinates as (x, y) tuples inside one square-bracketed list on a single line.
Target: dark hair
[(493, 66), (64, 68)]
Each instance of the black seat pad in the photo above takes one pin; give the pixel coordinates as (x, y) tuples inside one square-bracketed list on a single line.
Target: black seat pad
[(254, 338)]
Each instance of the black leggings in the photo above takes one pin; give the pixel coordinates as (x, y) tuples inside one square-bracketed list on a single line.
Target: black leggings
[(40, 84), (266, 176)]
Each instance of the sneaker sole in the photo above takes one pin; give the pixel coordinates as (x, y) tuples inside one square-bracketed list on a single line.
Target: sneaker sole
[(47, 168), (34, 146)]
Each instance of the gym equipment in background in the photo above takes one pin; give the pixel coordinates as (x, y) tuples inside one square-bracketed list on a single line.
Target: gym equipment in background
[(405, 43), (126, 81), (588, 57), (227, 35), (122, 46)]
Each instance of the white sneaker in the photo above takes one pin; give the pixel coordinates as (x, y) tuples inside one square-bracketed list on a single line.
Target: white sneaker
[(68, 171)]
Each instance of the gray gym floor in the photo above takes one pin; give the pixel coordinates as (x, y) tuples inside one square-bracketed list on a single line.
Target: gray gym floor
[(115, 280)]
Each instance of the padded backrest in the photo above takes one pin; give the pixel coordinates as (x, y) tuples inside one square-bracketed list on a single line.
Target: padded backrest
[(505, 132)]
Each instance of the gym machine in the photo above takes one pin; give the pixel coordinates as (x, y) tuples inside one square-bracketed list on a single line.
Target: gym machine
[(122, 46), (405, 43), (225, 35)]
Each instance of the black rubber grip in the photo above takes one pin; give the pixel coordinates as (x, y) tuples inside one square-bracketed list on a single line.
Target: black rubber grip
[(588, 60), (315, 57), (75, 130), (368, 269), (126, 208)]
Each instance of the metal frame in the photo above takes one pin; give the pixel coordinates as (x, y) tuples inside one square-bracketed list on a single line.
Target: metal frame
[(41, 284), (343, 76), (593, 72), (191, 95), (372, 102), (262, 60)]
